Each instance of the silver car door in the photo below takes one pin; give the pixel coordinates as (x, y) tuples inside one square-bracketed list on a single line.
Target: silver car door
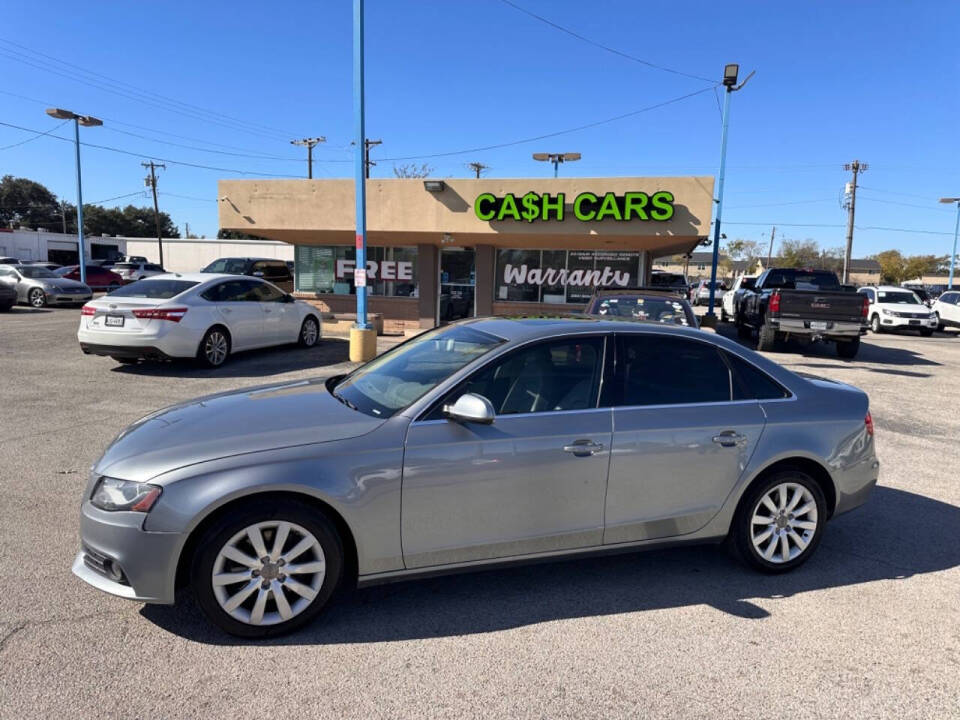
[(680, 442), (240, 309), (532, 481), (280, 319)]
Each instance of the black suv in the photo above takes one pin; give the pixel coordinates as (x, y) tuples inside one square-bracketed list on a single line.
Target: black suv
[(270, 269)]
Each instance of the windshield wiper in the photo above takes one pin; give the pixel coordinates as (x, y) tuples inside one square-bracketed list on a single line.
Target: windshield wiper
[(346, 402)]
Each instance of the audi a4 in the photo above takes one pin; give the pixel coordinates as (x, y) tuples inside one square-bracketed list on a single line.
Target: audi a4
[(489, 441)]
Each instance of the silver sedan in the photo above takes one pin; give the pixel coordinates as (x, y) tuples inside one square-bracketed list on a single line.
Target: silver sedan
[(37, 286), (484, 442)]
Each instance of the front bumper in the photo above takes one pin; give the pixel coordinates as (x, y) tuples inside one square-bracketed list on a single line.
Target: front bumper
[(55, 298), (148, 559), (916, 323)]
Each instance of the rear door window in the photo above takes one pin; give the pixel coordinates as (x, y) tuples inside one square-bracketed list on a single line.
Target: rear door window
[(751, 383), (660, 370), (268, 293), (239, 291)]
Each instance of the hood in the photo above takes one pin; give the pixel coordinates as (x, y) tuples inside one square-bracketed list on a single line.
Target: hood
[(233, 423), (904, 307), (59, 283)]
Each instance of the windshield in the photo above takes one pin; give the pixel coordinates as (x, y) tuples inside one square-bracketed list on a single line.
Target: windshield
[(156, 289), (229, 266), (899, 297), (35, 271), (126, 266), (747, 283), (399, 377), (656, 309)]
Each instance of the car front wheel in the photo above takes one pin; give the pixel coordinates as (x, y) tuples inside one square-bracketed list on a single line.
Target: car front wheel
[(264, 572), (309, 332), (37, 298), (780, 522), (875, 324)]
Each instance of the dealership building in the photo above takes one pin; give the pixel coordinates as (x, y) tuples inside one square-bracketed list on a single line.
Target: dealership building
[(441, 250)]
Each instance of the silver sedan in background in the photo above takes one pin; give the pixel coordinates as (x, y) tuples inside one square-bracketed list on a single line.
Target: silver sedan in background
[(37, 286), (484, 442)]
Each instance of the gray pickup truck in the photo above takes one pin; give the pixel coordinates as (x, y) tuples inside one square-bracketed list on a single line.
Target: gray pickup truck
[(807, 304)]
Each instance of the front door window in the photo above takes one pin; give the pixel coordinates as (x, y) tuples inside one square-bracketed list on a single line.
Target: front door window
[(458, 277)]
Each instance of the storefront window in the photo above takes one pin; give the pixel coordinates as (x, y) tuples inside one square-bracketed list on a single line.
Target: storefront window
[(391, 271), (562, 276)]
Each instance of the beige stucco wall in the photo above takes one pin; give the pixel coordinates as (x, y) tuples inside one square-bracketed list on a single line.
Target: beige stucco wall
[(402, 212)]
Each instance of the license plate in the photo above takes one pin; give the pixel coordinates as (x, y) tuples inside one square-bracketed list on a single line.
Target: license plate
[(114, 321), (816, 325), (914, 322)]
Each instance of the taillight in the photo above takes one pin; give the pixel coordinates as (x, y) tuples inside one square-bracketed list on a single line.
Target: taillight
[(865, 307), (87, 310), (172, 314), (868, 422), (774, 305)]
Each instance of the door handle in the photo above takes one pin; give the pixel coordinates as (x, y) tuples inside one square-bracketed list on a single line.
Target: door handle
[(583, 448), (226, 310), (268, 311), (729, 438)]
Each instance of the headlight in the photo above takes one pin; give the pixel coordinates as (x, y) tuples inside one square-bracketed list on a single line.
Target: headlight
[(113, 494)]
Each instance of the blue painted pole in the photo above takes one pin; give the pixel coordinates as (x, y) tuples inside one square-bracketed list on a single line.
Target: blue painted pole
[(556, 166), (716, 222), (953, 255), (360, 270), (80, 247)]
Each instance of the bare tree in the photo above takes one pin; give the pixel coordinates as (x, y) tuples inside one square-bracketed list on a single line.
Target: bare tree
[(412, 170)]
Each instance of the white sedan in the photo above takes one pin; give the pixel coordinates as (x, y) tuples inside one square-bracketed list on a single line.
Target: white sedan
[(194, 315)]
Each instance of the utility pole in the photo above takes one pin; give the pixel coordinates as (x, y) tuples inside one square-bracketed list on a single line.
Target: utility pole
[(478, 168), (367, 144), (770, 250), (856, 167), (152, 182), (309, 143)]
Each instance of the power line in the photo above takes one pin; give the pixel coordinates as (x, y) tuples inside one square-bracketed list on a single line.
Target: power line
[(553, 134), (162, 103), (913, 205), (897, 192), (858, 227), (31, 139), (154, 157), (608, 49), (792, 202), (207, 150), (188, 197)]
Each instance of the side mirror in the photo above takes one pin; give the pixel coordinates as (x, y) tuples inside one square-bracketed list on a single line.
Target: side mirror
[(288, 298), (471, 408)]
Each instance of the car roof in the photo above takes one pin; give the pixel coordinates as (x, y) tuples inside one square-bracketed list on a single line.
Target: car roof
[(530, 327), (659, 291), (889, 288), (197, 277)]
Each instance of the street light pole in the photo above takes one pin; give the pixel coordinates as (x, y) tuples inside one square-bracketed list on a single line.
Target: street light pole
[(556, 159), (730, 73), (86, 121), (956, 231)]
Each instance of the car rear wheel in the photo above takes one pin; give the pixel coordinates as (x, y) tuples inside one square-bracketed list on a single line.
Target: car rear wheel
[(926, 332), (6, 307), (309, 332), (214, 348), (780, 522), (264, 572), (766, 338), (37, 298)]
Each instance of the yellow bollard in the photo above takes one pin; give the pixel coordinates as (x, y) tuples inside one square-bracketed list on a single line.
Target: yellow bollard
[(363, 344)]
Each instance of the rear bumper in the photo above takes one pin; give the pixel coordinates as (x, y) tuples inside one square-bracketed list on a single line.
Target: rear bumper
[(834, 329), (147, 352)]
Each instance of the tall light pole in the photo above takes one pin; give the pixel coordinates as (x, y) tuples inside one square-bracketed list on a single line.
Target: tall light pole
[(86, 121), (556, 159), (363, 339), (730, 73), (956, 230), (309, 143)]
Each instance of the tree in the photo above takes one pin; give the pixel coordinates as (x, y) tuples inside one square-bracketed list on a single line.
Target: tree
[(131, 221), (235, 235), (412, 170), (747, 251), (916, 266), (799, 253), (27, 203), (832, 259), (891, 266)]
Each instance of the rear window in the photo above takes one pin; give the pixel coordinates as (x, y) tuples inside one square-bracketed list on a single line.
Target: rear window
[(228, 266), (751, 383), (662, 279), (126, 266), (155, 289), (638, 307), (790, 279)]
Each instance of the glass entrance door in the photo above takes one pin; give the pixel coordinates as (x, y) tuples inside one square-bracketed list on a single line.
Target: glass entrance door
[(458, 277)]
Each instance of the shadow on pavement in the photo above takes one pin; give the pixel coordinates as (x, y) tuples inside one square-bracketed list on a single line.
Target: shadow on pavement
[(252, 363), (869, 352), (897, 534)]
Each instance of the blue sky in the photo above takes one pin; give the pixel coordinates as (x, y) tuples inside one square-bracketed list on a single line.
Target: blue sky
[(835, 81)]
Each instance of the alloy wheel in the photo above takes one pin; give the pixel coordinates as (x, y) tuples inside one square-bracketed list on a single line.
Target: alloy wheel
[(38, 298), (309, 333), (215, 348), (268, 573), (783, 522)]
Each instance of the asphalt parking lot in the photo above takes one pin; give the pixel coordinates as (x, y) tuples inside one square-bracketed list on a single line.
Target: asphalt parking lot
[(870, 627)]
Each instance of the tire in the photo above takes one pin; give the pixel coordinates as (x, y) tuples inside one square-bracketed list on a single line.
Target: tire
[(37, 298), (6, 307), (875, 324), (926, 332), (302, 599), (743, 330), (940, 325), (848, 350), (308, 339), (723, 315), (124, 360), (214, 348), (801, 542), (766, 338)]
